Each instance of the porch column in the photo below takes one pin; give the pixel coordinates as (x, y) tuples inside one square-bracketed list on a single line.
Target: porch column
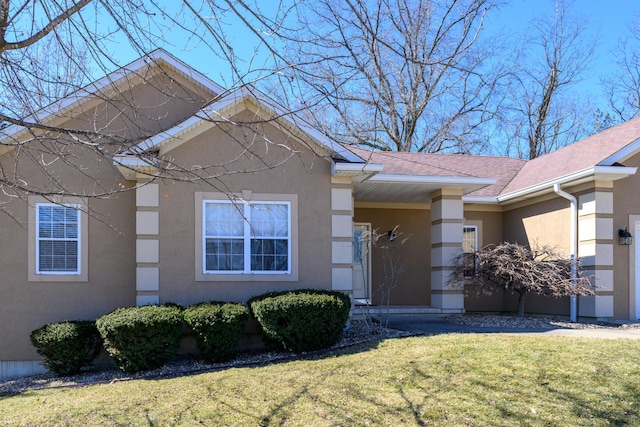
[(447, 218), (595, 248), (342, 234), (147, 245)]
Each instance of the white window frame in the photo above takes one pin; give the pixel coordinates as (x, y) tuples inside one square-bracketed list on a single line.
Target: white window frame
[(33, 270), (245, 208), (248, 196), (475, 243), (77, 239)]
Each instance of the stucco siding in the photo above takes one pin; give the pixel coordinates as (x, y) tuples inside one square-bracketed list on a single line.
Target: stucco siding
[(292, 171), (138, 109), (626, 202), (546, 222), (490, 231), (111, 221), (27, 305), (413, 257)]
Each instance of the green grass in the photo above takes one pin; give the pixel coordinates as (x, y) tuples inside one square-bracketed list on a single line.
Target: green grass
[(452, 380)]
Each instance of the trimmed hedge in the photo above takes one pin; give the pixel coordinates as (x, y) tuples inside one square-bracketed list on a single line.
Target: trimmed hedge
[(141, 338), (218, 327), (67, 347), (302, 320)]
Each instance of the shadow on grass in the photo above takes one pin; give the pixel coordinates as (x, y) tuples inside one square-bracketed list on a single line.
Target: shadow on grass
[(180, 367)]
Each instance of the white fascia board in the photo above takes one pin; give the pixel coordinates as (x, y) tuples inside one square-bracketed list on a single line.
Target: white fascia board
[(198, 118), (450, 180), (485, 200), (611, 173), (623, 154), (131, 162), (358, 167), (130, 166), (71, 99), (261, 100), (158, 139), (192, 73), (295, 120)]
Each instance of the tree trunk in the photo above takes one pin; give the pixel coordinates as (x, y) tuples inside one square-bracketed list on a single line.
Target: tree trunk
[(521, 296)]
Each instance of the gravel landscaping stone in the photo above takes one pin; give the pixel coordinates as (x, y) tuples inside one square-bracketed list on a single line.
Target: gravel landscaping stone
[(538, 322)]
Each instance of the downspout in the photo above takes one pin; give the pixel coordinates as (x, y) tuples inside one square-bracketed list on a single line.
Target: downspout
[(574, 232)]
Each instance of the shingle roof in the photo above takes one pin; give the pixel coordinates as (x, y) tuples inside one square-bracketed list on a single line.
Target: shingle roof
[(395, 163), (578, 156), (512, 174)]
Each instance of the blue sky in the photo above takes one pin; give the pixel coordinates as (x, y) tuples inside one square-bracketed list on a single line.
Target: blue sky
[(608, 19)]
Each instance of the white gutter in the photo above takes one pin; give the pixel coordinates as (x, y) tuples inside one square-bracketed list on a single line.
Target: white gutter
[(489, 200), (350, 168), (574, 233), (604, 172)]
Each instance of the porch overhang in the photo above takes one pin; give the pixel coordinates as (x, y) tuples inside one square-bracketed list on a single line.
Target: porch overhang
[(412, 188)]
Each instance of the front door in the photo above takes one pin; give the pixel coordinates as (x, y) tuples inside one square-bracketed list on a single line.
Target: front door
[(362, 262)]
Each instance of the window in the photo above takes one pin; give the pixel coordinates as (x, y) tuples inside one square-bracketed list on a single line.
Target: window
[(469, 248), (246, 237), (58, 244), (58, 239)]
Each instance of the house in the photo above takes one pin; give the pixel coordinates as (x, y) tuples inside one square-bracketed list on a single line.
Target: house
[(225, 196)]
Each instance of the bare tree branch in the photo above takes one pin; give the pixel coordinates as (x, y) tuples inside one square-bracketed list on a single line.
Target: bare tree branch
[(392, 74), (513, 267), (542, 114)]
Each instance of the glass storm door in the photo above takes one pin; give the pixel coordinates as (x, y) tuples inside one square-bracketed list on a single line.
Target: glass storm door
[(361, 261)]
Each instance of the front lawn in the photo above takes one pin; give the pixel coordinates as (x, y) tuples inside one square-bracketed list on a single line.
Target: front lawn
[(452, 380)]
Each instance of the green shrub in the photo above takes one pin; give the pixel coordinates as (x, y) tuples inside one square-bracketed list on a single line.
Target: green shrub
[(302, 320), (218, 327), (67, 347), (141, 338)]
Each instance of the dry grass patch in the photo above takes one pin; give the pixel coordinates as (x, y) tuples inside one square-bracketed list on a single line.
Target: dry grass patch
[(439, 380)]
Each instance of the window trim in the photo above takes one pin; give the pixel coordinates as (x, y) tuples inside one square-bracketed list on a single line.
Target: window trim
[(246, 237), (476, 244), (77, 239), (33, 273), (236, 276)]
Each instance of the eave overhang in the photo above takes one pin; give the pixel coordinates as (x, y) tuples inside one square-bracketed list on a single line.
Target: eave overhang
[(133, 168), (595, 173), (358, 172)]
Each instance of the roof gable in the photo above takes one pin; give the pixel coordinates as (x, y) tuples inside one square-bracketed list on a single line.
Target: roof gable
[(234, 103), (138, 69)]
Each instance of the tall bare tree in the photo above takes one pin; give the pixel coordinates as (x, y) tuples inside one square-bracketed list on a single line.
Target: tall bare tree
[(394, 75), (51, 48), (622, 89), (543, 112)]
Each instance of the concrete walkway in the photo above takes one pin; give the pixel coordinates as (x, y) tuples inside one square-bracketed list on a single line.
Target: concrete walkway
[(430, 324)]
